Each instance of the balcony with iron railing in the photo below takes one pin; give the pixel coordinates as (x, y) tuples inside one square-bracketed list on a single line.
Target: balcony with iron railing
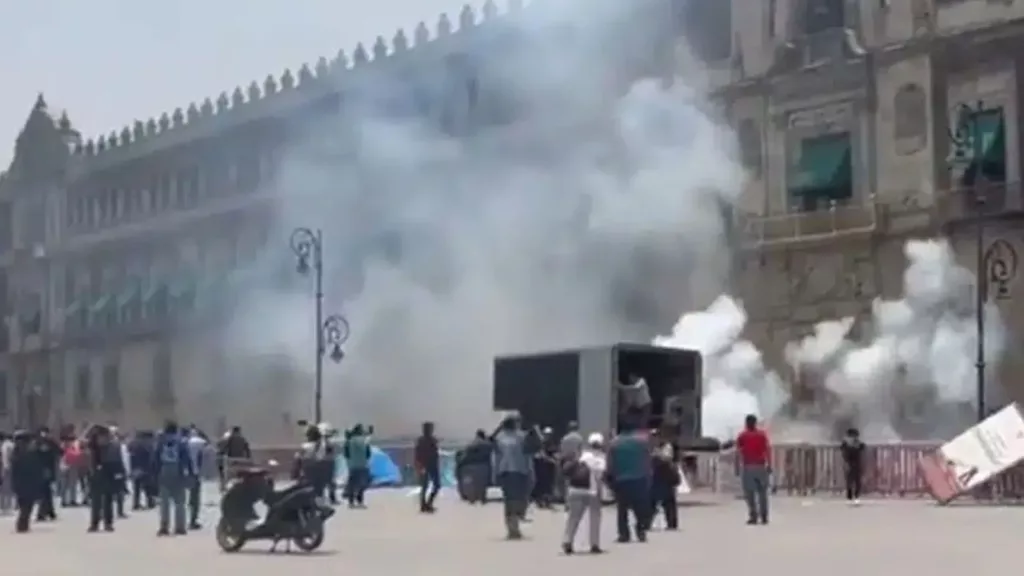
[(989, 200), (931, 212), (838, 220)]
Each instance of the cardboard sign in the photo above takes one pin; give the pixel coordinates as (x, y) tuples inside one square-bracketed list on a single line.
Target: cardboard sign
[(976, 456)]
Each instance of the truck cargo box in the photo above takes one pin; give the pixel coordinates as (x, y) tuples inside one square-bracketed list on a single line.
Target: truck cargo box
[(556, 387)]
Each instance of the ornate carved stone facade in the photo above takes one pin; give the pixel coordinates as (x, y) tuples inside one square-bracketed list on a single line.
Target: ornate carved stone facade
[(893, 86)]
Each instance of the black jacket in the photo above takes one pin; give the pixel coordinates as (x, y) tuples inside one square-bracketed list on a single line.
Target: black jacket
[(49, 457), (105, 463), (853, 454), (27, 475)]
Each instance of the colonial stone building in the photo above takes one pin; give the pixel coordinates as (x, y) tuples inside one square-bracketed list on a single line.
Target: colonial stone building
[(843, 112), (115, 251)]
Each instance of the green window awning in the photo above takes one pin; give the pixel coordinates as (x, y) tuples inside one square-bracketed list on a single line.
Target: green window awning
[(72, 308), (153, 288), (990, 130), (101, 303), (130, 291), (988, 158), (183, 285), (825, 167)]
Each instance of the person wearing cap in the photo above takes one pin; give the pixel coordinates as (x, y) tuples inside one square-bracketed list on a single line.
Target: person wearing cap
[(584, 493), (26, 478)]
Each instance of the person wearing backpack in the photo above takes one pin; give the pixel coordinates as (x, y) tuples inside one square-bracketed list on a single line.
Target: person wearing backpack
[(174, 473), (584, 478)]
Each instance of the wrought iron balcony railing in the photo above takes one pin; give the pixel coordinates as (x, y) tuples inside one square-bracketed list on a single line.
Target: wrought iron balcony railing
[(835, 221)]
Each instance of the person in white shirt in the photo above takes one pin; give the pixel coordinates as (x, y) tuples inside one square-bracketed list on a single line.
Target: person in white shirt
[(584, 493)]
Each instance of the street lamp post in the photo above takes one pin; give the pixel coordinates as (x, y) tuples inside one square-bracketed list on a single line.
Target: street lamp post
[(332, 331), (966, 139)]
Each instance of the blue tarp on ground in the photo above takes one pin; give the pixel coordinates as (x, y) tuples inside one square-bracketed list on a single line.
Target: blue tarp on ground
[(385, 472)]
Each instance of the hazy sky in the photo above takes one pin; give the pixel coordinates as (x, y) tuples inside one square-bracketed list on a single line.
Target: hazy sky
[(110, 62)]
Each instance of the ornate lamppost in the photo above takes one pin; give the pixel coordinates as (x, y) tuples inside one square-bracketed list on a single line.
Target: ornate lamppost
[(332, 331), (966, 148)]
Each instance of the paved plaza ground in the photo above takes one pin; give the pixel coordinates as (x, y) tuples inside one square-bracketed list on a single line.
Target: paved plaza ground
[(805, 538)]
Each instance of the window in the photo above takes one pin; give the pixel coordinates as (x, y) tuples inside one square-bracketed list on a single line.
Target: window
[(823, 172), (772, 9), (986, 137), (188, 181), (823, 15), (111, 387), (163, 386), (707, 26), (83, 389)]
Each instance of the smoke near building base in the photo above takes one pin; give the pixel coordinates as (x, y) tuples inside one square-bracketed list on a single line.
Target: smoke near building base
[(911, 377)]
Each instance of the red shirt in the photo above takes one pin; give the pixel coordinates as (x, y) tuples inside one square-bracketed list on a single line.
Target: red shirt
[(754, 448)]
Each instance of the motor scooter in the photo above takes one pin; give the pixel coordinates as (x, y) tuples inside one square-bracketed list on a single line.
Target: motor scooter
[(295, 514)]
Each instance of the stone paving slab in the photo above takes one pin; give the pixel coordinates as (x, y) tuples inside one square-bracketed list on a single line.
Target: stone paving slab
[(806, 537)]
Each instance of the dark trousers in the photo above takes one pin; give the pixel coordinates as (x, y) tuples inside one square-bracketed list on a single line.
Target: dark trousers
[(355, 487), (430, 485), (854, 481), (663, 497), (632, 496), (102, 494), (120, 491), (195, 495), (25, 503), (141, 486), (46, 511)]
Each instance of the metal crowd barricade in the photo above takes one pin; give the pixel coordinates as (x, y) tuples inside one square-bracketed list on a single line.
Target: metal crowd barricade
[(890, 470)]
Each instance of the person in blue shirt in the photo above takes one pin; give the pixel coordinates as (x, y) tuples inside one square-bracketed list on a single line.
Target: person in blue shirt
[(175, 471), (629, 474)]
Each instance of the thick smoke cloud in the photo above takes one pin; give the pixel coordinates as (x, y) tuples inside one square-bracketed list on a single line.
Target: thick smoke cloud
[(584, 219), (911, 376)]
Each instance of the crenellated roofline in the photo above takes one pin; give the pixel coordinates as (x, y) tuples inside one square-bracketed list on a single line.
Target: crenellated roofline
[(279, 95)]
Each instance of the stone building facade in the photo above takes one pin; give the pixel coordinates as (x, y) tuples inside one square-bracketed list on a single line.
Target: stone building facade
[(881, 82), (115, 251)]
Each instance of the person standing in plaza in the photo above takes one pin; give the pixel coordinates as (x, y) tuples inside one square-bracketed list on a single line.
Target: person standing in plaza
[(26, 478), (569, 449), (584, 476), (754, 452), (852, 450), (197, 445), (428, 464), (174, 465), (107, 478), (49, 454), (513, 454), (665, 479), (141, 457), (356, 451), (629, 471)]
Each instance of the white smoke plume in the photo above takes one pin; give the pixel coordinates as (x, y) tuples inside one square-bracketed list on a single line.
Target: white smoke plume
[(911, 376), (582, 217)]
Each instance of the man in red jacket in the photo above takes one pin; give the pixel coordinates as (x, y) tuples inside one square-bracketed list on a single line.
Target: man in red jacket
[(754, 453)]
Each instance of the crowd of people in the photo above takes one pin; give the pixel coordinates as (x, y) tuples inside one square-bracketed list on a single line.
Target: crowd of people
[(639, 469), (101, 468)]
